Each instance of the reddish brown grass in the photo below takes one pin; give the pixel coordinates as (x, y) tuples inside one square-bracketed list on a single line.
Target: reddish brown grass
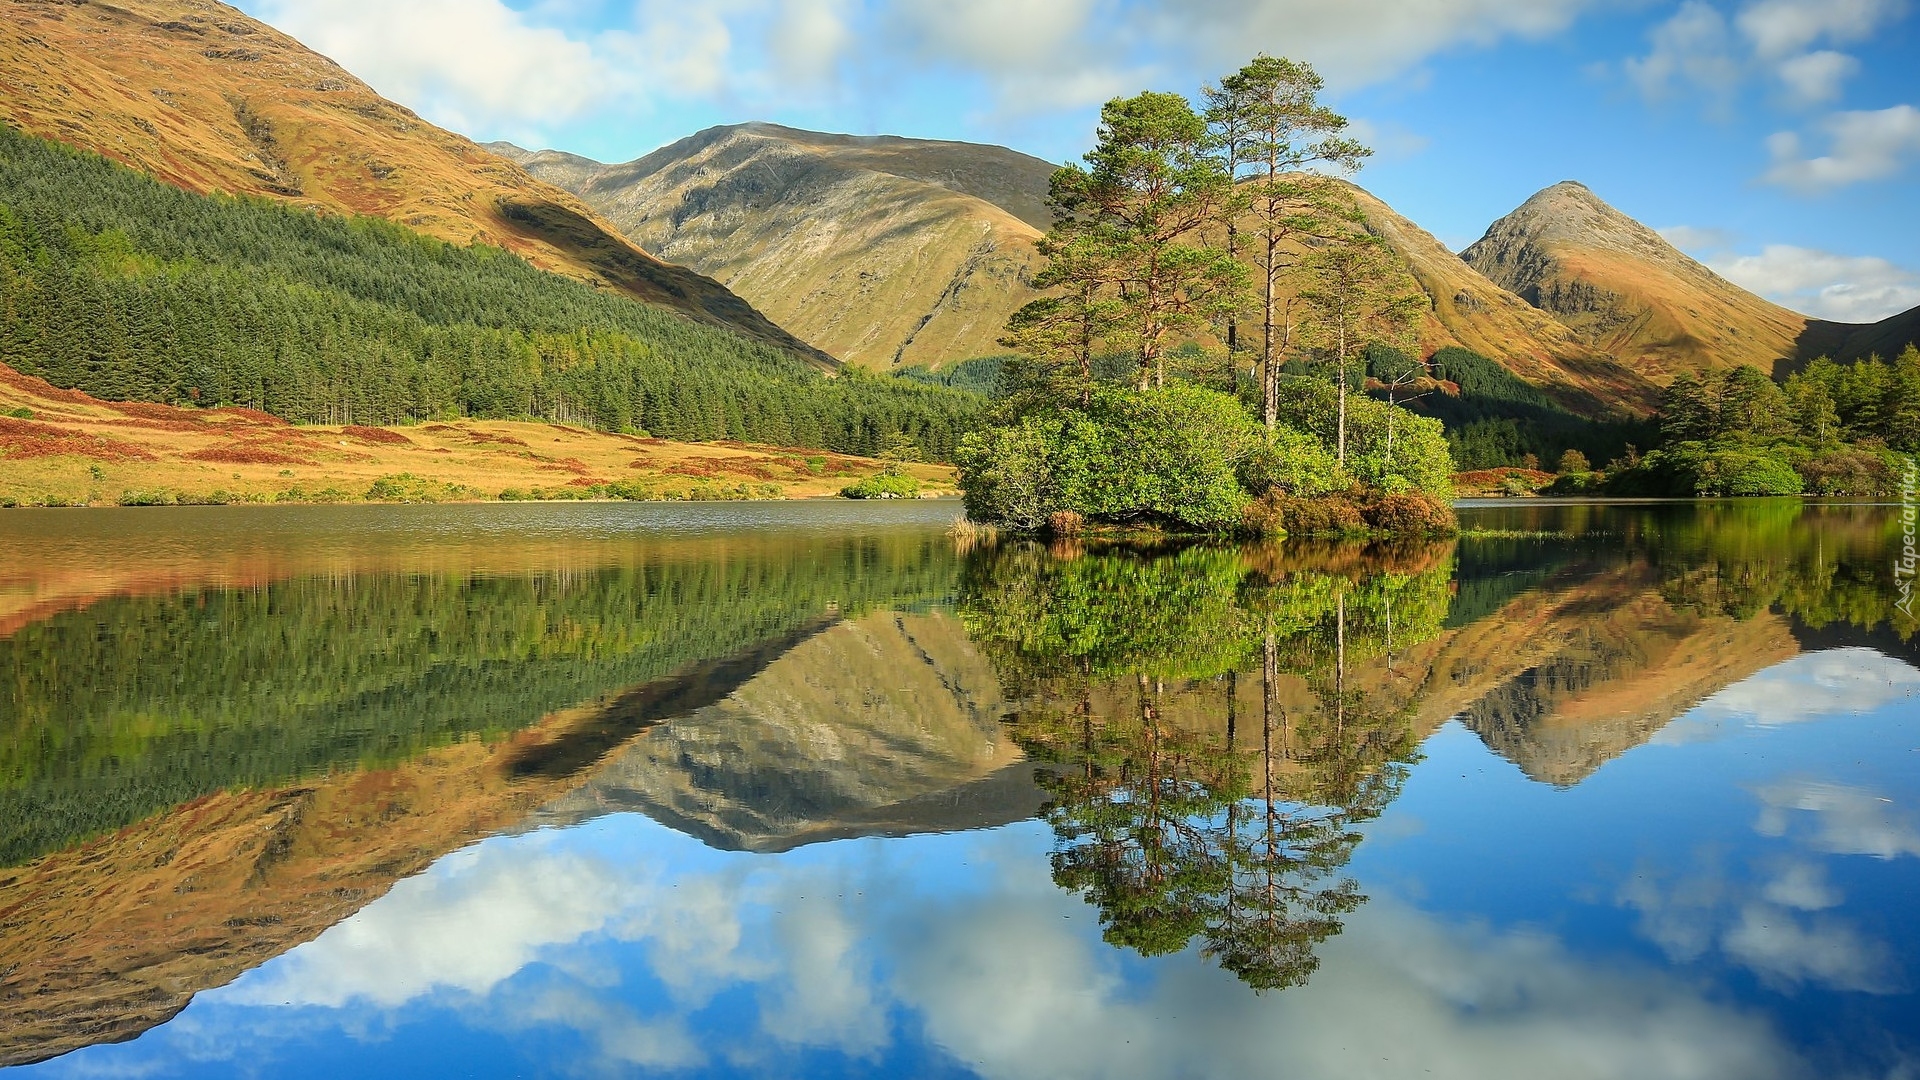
[(377, 435), (487, 437), (247, 455), (21, 439)]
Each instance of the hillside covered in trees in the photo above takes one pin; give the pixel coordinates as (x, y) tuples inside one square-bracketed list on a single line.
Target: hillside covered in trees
[(116, 284), (1832, 429)]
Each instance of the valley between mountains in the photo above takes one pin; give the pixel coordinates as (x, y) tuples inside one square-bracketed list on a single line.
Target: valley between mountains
[(712, 289)]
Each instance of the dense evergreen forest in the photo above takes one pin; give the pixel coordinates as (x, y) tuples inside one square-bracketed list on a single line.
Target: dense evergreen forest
[(1832, 429), (192, 693), (116, 284), (1496, 418)]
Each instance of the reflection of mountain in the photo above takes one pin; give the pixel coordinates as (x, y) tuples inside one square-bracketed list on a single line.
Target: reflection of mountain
[(100, 942), (887, 724), (1617, 668)]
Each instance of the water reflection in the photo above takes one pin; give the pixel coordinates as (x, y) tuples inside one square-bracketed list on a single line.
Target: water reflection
[(1168, 817), (1399, 783)]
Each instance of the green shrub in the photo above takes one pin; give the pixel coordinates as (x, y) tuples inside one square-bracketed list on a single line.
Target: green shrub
[(1699, 469), (885, 484), (1165, 456), (1847, 471), (163, 497), (1291, 462), (21, 413), (1388, 447)]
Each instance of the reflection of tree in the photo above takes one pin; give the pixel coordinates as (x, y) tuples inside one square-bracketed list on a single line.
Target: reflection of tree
[(1182, 828)]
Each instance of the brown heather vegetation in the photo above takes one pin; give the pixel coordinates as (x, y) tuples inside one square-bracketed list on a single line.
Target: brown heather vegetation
[(78, 450)]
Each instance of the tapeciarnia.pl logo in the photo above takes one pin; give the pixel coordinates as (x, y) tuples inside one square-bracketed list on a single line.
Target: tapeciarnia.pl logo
[(1903, 567)]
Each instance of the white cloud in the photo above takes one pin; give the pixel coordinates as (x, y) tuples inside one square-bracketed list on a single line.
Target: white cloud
[(1759, 925), (1390, 141), (1843, 288), (1778, 40), (1845, 820), (1779, 28), (1007, 973), (1694, 46), (458, 61), (809, 40), (1816, 685), (1357, 41), (1815, 78), (1861, 146), (1785, 951), (468, 924), (483, 65)]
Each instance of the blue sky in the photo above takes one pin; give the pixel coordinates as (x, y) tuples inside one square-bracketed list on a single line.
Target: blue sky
[(1777, 140)]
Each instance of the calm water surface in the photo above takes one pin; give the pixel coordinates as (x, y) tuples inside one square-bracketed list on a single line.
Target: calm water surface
[(812, 790)]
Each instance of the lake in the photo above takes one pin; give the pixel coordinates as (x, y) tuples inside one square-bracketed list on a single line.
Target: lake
[(817, 789)]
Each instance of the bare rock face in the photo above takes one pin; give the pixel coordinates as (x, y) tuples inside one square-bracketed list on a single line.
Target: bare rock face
[(1626, 291), (882, 251)]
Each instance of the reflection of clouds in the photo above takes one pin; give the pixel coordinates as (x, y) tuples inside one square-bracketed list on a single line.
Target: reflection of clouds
[(1810, 686), (826, 995), (1009, 976), (470, 922), (1759, 925), (623, 1036), (1783, 950), (1846, 820), (1018, 992)]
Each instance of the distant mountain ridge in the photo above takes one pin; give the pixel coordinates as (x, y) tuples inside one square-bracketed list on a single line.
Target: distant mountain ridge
[(1474, 313), (205, 98), (1623, 289), (881, 250)]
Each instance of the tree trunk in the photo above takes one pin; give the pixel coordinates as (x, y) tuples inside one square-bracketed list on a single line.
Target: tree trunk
[(1269, 375), (1340, 371)]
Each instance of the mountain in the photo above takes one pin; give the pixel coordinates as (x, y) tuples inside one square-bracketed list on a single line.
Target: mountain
[(205, 98), (883, 251), (1851, 341), (1474, 313), (885, 724), (1623, 289)]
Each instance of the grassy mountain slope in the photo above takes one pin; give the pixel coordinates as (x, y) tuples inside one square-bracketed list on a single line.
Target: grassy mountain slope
[(1625, 290), (1852, 341), (130, 289), (205, 98), (1474, 313), (883, 251)]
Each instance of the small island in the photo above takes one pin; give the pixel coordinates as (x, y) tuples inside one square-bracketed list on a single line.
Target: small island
[(1197, 364)]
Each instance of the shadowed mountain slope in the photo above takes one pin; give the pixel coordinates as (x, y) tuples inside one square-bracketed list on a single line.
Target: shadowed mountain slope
[(883, 251), (205, 98), (887, 724), (1852, 341), (1623, 289)]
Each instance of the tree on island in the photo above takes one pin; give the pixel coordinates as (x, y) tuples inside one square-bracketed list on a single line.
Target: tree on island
[(1104, 420), (1270, 130)]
